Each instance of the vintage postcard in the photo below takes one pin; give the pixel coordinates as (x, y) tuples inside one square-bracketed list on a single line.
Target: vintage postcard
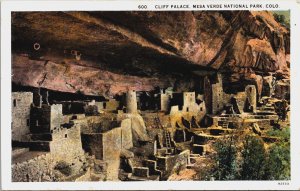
[(150, 95)]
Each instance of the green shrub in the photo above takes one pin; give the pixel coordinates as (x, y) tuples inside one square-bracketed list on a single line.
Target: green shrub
[(254, 158), (225, 159), (251, 160), (281, 19), (278, 166), (283, 135)]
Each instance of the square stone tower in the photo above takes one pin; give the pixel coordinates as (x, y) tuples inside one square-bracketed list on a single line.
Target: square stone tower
[(21, 103)]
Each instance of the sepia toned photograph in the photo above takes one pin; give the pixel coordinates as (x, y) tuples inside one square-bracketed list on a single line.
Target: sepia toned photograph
[(150, 96)]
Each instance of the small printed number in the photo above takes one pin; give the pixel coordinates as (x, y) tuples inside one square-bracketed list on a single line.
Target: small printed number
[(142, 6), (283, 183)]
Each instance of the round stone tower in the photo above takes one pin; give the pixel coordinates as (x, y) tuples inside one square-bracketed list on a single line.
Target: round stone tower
[(131, 102)]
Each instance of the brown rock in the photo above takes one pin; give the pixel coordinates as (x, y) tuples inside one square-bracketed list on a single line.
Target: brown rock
[(141, 50)]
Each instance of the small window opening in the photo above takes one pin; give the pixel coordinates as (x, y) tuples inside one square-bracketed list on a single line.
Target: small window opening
[(15, 103), (66, 135)]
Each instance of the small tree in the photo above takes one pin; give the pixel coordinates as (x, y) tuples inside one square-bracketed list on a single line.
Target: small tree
[(278, 166), (253, 158), (281, 19), (279, 162), (225, 159)]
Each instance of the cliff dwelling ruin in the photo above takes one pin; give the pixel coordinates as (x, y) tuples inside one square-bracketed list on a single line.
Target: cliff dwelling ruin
[(142, 96)]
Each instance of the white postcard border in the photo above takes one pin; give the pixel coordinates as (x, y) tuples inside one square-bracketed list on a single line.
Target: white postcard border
[(8, 6)]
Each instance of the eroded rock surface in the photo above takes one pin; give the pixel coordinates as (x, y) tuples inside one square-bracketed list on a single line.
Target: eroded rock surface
[(107, 53)]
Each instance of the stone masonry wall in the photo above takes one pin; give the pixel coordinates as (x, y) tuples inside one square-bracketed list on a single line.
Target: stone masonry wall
[(189, 98), (112, 144), (66, 142), (164, 102), (46, 118), (126, 134), (66, 146), (40, 119), (21, 103), (56, 116), (217, 98)]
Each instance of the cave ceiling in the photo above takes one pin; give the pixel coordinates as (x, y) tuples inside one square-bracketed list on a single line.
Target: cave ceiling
[(141, 50)]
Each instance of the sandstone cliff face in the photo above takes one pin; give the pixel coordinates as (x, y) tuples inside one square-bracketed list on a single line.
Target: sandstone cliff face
[(75, 78), (141, 50)]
